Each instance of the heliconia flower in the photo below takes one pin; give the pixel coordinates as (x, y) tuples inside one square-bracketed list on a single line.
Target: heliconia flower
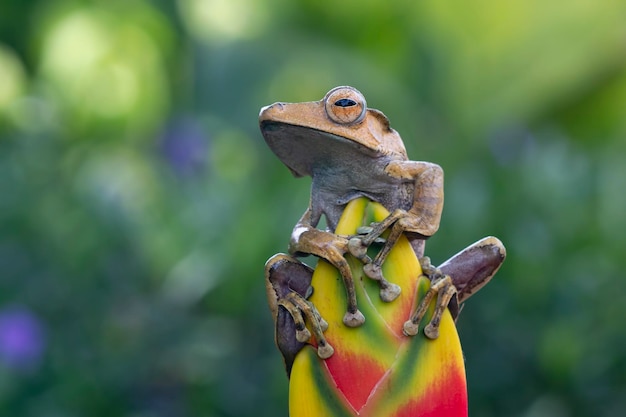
[(377, 371)]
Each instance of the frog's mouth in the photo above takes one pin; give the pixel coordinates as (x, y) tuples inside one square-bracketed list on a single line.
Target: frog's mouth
[(303, 149)]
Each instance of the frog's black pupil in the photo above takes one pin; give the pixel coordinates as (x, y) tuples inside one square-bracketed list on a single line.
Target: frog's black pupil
[(345, 102)]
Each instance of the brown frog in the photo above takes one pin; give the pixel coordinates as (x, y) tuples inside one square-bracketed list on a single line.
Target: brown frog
[(350, 151)]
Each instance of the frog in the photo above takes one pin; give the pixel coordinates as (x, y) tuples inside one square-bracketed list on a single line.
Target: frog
[(350, 151)]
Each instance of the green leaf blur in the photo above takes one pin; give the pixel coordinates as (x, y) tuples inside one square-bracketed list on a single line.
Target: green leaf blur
[(138, 201)]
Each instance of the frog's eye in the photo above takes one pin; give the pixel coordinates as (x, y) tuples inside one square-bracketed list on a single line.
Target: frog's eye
[(345, 105)]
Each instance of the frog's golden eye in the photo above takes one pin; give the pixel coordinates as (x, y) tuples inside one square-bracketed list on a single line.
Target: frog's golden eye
[(345, 105)]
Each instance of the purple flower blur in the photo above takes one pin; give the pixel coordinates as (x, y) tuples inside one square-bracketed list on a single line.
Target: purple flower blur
[(184, 146), (22, 340)]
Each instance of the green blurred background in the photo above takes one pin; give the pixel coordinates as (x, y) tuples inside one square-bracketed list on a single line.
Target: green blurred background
[(138, 201)]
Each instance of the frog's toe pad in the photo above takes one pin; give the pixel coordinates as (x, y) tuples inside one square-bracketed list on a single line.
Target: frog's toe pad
[(373, 271), (356, 247), (323, 324), (355, 319), (431, 331), (410, 328), (303, 335), (390, 292), (325, 351), (364, 230)]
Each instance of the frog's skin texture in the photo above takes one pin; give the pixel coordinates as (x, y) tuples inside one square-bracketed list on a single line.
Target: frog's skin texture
[(350, 151)]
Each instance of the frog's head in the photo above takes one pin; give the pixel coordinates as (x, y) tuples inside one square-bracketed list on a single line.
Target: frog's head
[(302, 134)]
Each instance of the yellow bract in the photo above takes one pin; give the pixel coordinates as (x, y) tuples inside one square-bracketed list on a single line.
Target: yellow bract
[(377, 371)]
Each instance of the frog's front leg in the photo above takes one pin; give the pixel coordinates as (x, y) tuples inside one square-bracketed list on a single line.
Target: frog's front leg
[(422, 218), (455, 281), (306, 239), (288, 285)]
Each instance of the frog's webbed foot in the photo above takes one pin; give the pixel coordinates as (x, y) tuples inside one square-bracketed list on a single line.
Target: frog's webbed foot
[(288, 285), (440, 285)]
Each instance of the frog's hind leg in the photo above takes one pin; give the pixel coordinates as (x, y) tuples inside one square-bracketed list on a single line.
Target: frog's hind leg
[(288, 285), (473, 267), (455, 281)]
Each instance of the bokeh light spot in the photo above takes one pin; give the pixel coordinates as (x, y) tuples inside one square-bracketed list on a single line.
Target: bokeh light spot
[(223, 19), (12, 77), (104, 69), (21, 338)]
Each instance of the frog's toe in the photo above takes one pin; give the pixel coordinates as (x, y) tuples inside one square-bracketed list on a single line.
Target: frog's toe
[(431, 331), (373, 271), (323, 324), (410, 328), (325, 350), (390, 292), (303, 335), (355, 319), (357, 248), (430, 270), (364, 230)]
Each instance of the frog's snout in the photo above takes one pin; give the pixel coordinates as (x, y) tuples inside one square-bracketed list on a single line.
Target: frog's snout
[(276, 106), (272, 111)]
